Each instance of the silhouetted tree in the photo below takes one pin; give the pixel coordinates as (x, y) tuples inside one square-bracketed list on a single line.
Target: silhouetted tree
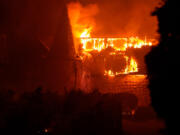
[(162, 63)]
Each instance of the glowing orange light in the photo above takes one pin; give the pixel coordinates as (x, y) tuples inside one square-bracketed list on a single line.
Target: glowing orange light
[(100, 43), (82, 24)]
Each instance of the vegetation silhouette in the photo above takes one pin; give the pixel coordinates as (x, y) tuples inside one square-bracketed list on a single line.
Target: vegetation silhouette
[(46, 112), (162, 64)]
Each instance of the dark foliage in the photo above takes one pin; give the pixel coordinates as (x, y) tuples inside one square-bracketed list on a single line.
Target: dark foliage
[(162, 63), (43, 112)]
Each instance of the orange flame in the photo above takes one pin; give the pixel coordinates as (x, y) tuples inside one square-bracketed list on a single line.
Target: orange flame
[(86, 33), (82, 21), (119, 44), (131, 67)]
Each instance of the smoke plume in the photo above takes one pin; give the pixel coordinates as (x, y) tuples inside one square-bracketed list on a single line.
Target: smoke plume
[(122, 18)]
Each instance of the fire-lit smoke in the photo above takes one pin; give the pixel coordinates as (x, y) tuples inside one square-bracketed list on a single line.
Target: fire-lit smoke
[(82, 20), (123, 18), (127, 18)]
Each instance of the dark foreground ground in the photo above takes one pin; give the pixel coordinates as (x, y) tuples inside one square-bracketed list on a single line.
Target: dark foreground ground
[(122, 108)]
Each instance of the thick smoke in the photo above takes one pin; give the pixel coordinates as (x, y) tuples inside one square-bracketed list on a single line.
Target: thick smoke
[(124, 18)]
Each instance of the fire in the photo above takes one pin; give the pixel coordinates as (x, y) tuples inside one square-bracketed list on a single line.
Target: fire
[(82, 25), (97, 44), (82, 21), (119, 44), (109, 73), (86, 33), (131, 67)]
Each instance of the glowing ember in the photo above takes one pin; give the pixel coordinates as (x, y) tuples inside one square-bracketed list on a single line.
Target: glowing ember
[(109, 73)]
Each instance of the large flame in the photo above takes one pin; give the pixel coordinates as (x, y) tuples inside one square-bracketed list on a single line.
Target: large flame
[(119, 44)]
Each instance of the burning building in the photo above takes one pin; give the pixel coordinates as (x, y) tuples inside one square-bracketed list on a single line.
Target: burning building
[(116, 51), (111, 54)]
